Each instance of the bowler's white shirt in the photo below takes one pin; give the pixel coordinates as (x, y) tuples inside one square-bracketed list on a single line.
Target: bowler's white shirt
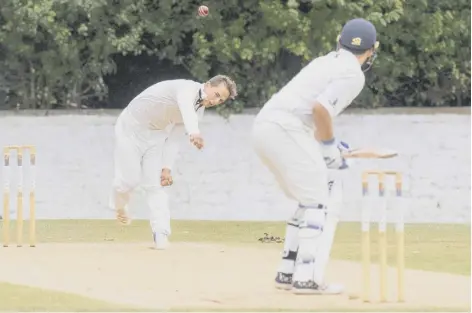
[(333, 80), (169, 106), (166, 103)]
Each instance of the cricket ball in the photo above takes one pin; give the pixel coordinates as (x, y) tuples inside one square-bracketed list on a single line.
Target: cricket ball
[(203, 10)]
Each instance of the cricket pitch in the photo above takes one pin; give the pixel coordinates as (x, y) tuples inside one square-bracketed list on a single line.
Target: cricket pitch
[(210, 276)]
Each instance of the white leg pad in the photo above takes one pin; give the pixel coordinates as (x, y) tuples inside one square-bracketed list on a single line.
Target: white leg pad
[(287, 264), (327, 237), (310, 232)]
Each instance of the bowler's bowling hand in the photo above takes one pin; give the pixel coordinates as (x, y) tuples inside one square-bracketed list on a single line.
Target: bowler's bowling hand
[(197, 140), (166, 177)]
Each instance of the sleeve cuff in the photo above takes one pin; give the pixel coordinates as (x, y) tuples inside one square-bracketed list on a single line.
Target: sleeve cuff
[(326, 104)]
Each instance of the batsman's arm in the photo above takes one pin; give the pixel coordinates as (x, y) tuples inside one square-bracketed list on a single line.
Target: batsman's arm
[(333, 100), (172, 146), (323, 123)]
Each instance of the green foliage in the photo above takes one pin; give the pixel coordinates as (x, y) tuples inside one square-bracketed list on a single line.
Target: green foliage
[(59, 53), (424, 58)]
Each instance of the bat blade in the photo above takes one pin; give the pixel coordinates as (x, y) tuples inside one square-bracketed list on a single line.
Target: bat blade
[(370, 154)]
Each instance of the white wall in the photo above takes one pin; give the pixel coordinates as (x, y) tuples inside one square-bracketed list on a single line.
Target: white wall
[(226, 181)]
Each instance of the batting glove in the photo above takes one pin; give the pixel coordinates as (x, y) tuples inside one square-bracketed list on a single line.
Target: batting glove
[(332, 154)]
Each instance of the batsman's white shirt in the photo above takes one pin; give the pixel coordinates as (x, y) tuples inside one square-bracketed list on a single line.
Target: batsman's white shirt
[(148, 134), (333, 80)]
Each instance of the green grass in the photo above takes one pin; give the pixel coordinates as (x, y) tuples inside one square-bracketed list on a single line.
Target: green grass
[(433, 247), (437, 247), (23, 298)]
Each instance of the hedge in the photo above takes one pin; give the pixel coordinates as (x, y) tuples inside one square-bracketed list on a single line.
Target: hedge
[(101, 53)]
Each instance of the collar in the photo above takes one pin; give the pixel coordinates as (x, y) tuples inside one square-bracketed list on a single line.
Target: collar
[(201, 92), (201, 96), (348, 54)]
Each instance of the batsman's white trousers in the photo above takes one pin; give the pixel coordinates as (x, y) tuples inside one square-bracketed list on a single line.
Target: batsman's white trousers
[(294, 158), (138, 161)]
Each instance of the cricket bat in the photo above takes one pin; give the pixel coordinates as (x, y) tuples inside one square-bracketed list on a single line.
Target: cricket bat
[(365, 153)]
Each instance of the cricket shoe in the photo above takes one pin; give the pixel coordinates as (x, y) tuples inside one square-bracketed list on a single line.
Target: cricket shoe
[(161, 241), (122, 216), (283, 281), (312, 288)]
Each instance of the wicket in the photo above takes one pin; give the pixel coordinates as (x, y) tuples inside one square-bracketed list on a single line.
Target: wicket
[(6, 195), (399, 230)]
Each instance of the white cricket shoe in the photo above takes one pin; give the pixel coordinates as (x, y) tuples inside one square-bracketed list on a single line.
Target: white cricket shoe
[(161, 241), (312, 288), (283, 281), (123, 217)]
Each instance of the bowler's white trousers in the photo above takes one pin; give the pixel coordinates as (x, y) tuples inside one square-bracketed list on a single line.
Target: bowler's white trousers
[(138, 161)]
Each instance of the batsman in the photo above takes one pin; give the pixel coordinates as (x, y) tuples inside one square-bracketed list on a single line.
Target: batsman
[(148, 134), (294, 138)]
